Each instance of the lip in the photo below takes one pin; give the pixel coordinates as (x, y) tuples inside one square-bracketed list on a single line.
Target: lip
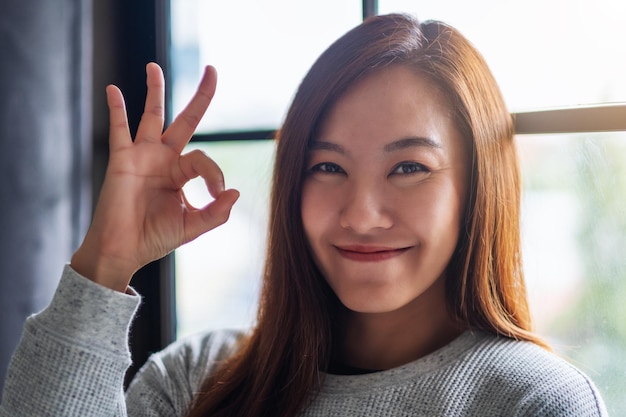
[(369, 253)]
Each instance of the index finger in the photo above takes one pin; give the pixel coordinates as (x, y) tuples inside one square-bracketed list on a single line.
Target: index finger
[(182, 128)]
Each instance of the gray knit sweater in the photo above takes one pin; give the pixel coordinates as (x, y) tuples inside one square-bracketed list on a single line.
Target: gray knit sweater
[(73, 355)]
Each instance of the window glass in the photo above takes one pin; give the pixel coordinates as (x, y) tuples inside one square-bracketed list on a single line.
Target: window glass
[(574, 240), (261, 50), (218, 274), (543, 53)]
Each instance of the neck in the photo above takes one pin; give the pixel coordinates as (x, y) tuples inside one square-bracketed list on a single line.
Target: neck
[(387, 340)]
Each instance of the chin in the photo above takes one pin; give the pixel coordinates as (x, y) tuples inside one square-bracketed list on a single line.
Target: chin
[(372, 304)]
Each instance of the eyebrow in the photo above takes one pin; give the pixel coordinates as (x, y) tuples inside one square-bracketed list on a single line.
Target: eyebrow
[(413, 141), (320, 145)]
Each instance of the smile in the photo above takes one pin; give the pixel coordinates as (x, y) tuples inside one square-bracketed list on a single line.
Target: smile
[(369, 253)]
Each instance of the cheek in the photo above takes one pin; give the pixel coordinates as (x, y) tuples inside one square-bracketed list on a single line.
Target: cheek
[(436, 210), (313, 211)]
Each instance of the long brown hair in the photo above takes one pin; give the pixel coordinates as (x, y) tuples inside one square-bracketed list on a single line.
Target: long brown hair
[(279, 367)]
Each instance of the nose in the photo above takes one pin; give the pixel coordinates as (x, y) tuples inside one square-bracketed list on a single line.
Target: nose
[(366, 207)]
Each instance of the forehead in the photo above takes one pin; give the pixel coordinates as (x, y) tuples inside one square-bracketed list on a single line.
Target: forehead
[(388, 104)]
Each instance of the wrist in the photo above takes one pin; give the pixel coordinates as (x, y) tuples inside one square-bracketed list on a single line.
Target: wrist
[(101, 270)]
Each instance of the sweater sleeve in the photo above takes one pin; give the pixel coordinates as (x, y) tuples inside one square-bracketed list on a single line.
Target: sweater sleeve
[(73, 355)]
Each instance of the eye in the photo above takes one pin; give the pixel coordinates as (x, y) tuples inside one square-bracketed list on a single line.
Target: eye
[(407, 168), (327, 168)]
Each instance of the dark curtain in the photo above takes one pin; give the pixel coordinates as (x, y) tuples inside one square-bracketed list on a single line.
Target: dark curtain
[(45, 152)]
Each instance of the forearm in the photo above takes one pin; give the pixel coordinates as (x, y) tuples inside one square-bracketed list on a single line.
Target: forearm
[(73, 355)]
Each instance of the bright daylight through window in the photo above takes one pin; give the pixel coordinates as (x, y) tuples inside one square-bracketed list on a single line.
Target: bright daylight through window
[(543, 54)]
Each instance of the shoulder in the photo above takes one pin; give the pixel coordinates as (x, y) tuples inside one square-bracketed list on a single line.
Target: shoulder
[(212, 345), (501, 356), (171, 377), (542, 382), (198, 355)]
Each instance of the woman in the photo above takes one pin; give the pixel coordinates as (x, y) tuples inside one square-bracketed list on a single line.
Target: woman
[(393, 283)]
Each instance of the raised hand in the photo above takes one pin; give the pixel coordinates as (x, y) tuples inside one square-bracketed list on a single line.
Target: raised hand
[(142, 213)]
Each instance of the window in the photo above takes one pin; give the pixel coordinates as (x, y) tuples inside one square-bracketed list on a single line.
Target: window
[(543, 54)]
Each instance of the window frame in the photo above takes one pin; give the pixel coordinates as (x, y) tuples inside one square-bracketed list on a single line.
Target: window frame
[(609, 117)]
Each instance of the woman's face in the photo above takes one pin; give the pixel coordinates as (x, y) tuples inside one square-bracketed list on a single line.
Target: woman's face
[(385, 190)]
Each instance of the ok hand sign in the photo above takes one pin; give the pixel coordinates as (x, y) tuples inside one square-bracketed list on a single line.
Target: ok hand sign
[(142, 213)]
